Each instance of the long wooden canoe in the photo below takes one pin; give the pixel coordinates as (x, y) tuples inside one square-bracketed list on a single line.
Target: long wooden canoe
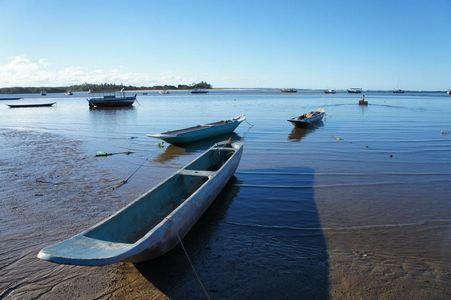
[(31, 105), (153, 224), (200, 132)]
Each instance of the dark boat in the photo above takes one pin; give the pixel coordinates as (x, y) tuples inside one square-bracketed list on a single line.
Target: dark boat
[(308, 119), (112, 101), (31, 105), (10, 98), (363, 101), (355, 90), (43, 93), (289, 90), (449, 92), (198, 91), (398, 91)]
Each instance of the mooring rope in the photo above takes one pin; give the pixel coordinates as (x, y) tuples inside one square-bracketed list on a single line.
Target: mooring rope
[(199, 280)]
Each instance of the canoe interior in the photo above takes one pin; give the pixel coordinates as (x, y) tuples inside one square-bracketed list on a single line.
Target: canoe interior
[(194, 128), (131, 224)]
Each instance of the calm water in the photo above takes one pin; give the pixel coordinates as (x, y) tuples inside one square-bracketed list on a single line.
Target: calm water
[(357, 207)]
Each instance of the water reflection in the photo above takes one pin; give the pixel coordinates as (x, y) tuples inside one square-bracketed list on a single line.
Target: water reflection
[(299, 133), (174, 151), (243, 239)]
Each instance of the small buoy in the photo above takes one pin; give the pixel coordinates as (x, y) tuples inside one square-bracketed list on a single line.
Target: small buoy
[(391, 155), (444, 132), (101, 153)]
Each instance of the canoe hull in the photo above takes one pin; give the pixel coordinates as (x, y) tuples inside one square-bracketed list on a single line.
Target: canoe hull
[(202, 134), (105, 244), (179, 224), (199, 133), (31, 105)]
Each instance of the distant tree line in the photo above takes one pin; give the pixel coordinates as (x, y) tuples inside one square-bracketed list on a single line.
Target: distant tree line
[(103, 87)]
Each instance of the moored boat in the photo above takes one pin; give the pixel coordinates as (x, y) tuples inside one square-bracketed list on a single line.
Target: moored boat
[(200, 132), (165, 92), (43, 93), (155, 222), (290, 90), (10, 98), (355, 90), (449, 92), (329, 91), (308, 119), (199, 91), (112, 101), (31, 105), (398, 91), (68, 93), (363, 101)]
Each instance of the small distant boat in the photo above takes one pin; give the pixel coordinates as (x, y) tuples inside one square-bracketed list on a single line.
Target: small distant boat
[(199, 91), (31, 105), (449, 92), (112, 101), (200, 132), (68, 93), (43, 93), (291, 90), (165, 92), (398, 91), (145, 93), (90, 91), (10, 98), (363, 101), (308, 119), (155, 222), (355, 90), (329, 91)]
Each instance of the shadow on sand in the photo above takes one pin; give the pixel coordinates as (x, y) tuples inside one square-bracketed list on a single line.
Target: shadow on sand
[(254, 242)]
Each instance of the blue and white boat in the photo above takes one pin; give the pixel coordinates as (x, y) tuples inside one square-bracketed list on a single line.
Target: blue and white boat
[(156, 222), (200, 132)]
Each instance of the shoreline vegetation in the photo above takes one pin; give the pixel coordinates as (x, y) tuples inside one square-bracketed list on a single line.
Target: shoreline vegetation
[(103, 87)]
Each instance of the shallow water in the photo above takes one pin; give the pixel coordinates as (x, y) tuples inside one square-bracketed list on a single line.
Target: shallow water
[(357, 207)]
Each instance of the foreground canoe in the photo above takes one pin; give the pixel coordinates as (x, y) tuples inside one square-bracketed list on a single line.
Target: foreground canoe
[(153, 224), (200, 132), (308, 119), (31, 105)]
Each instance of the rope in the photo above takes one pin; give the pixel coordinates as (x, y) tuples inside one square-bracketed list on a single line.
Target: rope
[(251, 125), (128, 178), (191, 263)]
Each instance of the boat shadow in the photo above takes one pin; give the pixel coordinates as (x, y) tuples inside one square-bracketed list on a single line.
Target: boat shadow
[(174, 151), (299, 133), (260, 239)]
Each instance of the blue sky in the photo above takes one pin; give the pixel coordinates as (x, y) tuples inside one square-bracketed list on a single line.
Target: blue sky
[(303, 44)]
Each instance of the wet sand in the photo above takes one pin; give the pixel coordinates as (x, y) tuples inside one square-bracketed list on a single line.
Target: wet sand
[(50, 191), (355, 208)]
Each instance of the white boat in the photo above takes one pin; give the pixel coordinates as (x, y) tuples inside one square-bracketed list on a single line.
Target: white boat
[(154, 223), (449, 92), (308, 119), (163, 92)]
